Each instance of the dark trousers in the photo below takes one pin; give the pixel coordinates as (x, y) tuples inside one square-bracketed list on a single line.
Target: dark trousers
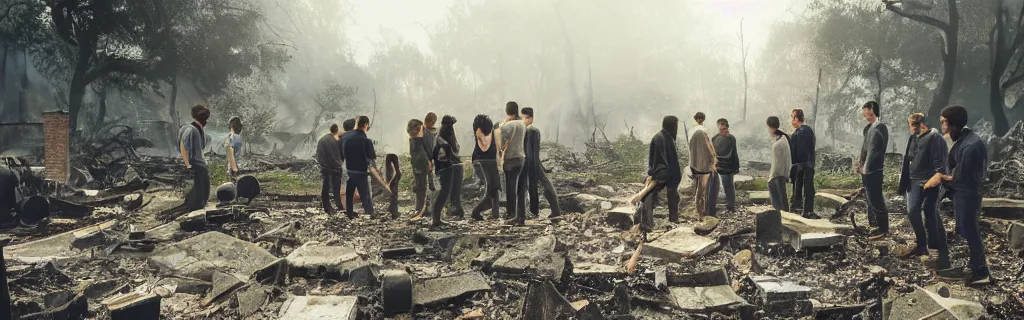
[(331, 187), (455, 196), (200, 193), (447, 184), (358, 182), (803, 188), (644, 215), (514, 203), (492, 182), (923, 212), (777, 192), (713, 185), (878, 214), (536, 177), (967, 207), (419, 187), (393, 205), (730, 191)]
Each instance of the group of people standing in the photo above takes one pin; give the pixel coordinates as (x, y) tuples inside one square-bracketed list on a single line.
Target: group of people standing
[(511, 147), (929, 168)]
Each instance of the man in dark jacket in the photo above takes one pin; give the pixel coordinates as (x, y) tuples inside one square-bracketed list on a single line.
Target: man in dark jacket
[(357, 151), (662, 173), (871, 165), (728, 166), (924, 164), (328, 156), (801, 149), (534, 170), (419, 153), (967, 162), (192, 139)]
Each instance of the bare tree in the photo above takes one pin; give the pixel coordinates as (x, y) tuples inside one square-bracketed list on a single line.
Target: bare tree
[(1005, 43), (950, 44)]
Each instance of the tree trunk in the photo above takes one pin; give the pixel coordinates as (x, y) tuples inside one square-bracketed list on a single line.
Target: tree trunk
[(76, 91), (817, 95), (101, 114), (950, 49), (173, 110), (3, 76), (23, 89), (1001, 55)]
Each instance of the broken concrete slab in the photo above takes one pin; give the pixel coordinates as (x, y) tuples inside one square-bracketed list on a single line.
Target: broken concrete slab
[(1015, 235), (828, 201), (768, 223), (679, 243), (57, 248), (165, 232), (199, 256), (544, 257), (705, 299), (708, 277), (251, 298), (319, 307), (803, 233), (396, 292), (314, 260), (774, 290), (585, 269), (924, 304), (272, 273), (91, 236), (759, 197), (429, 292), (133, 305), (462, 251), (620, 217), (222, 283), (1003, 208), (544, 302)]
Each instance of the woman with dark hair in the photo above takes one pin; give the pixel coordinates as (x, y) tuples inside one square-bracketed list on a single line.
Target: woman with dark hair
[(485, 160), (448, 168)]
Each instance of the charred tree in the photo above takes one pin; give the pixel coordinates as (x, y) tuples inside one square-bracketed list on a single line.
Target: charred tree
[(949, 31), (1005, 43)]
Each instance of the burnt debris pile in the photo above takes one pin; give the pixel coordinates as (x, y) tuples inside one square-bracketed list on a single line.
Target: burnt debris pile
[(125, 250)]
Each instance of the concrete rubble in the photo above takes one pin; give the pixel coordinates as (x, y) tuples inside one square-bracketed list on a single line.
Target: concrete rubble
[(280, 257)]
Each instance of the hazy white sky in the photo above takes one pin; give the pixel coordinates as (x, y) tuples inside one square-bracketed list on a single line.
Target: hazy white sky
[(405, 17)]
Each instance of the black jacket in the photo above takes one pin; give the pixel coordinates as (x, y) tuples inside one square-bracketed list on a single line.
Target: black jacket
[(872, 151), (663, 160), (801, 146), (531, 148), (419, 153), (728, 159), (357, 151), (925, 155), (968, 163), (328, 154)]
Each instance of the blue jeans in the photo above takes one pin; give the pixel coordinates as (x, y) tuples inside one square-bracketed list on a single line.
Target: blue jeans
[(714, 181), (967, 207), (929, 231)]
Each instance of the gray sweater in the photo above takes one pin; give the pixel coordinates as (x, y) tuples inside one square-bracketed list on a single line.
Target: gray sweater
[(872, 152), (781, 159), (514, 133), (195, 141)]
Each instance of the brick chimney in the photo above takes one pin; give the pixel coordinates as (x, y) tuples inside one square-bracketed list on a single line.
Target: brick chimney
[(55, 145)]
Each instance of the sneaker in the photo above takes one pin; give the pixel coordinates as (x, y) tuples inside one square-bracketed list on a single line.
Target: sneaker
[(978, 280), (906, 252), (954, 273), (877, 234)]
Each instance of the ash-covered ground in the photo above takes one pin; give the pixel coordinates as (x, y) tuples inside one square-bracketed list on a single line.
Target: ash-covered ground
[(106, 253)]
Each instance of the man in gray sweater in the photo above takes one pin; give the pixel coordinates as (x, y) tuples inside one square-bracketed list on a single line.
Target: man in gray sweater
[(328, 156), (511, 135), (192, 142), (782, 163), (870, 165)]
